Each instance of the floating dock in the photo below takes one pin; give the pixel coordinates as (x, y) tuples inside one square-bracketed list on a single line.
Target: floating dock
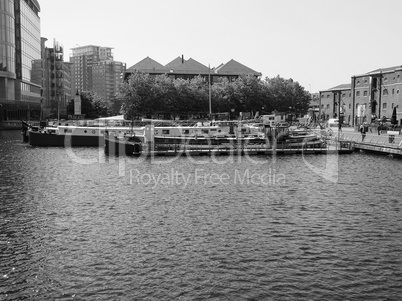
[(249, 151)]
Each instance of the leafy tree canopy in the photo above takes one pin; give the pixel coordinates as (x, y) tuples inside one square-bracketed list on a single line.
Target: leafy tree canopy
[(145, 95), (92, 105)]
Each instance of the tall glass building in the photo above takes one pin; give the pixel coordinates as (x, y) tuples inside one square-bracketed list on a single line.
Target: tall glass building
[(20, 46)]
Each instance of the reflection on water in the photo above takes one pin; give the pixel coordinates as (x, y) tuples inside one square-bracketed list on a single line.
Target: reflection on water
[(264, 228)]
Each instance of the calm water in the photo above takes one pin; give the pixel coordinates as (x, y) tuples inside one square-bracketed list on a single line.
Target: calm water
[(261, 228)]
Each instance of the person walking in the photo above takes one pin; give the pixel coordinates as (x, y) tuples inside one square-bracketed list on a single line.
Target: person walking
[(363, 131)]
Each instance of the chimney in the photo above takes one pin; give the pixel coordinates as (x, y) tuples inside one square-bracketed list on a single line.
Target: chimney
[(182, 59)]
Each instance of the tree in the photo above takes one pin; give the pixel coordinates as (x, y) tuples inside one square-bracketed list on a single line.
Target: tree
[(136, 95), (143, 94), (92, 105), (100, 106)]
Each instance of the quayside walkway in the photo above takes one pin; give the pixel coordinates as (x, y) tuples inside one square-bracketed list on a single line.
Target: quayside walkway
[(389, 143)]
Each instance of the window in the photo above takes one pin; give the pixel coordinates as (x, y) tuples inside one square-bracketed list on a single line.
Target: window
[(327, 106), (357, 105), (165, 132), (397, 91), (393, 91), (350, 94), (385, 79), (385, 92), (365, 93), (357, 93), (392, 105), (384, 106), (328, 96), (350, 106)]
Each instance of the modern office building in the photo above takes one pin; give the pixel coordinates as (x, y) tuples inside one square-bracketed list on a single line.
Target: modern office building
[(187, 69), (20, 46)]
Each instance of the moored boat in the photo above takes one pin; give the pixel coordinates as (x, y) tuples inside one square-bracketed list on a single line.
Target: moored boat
[(79, 132), (63, 136), (293, 137), (126, 145)]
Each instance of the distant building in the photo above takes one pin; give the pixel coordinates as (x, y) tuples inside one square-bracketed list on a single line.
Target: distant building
[(329, 101), (20, 92), (369, 97), (188, 69), (83, 58), (314, 106), (106, 76), (93, 69), (380, 92), (55, 78)]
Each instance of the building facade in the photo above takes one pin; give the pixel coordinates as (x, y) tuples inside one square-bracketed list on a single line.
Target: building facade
[(55, 78), (93, 69), (83, 58), (329, 103), (368, 98), (20, 46), (106, 76), (380, 93)]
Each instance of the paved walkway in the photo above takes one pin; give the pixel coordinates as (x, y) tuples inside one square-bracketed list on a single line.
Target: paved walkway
[(384, 139)]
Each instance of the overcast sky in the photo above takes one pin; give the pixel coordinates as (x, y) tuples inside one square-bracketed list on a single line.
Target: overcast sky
[(319, 43)]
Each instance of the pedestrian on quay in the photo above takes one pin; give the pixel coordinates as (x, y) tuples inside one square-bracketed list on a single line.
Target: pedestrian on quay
[(363, 130), (379, 129)]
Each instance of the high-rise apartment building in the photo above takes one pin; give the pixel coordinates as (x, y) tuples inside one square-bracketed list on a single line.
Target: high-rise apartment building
[(20, 45), (93, 69), (83, 58), (106, 76)]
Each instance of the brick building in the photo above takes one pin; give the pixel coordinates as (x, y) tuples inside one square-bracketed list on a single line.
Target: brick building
[(369, 97)]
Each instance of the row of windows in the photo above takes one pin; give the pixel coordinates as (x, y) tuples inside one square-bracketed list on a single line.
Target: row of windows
[(365, 93), (385, 79), (384, 106), (7, 58), (7, 6)]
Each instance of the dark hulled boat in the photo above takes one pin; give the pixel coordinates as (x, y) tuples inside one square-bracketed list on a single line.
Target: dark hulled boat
[(126, 145)]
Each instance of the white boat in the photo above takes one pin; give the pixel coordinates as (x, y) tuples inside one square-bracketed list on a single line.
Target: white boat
[(79, 132)]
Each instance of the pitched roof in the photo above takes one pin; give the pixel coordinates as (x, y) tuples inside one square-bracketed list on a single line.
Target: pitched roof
[(385, 70), (148, 65), (191, 66), (175, 63), (339, 87), (234, 67)]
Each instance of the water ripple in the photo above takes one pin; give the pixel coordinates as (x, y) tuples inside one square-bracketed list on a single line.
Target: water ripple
[(71, 231)]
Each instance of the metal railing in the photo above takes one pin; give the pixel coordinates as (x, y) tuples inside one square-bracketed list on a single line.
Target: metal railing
[(380, 140)]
